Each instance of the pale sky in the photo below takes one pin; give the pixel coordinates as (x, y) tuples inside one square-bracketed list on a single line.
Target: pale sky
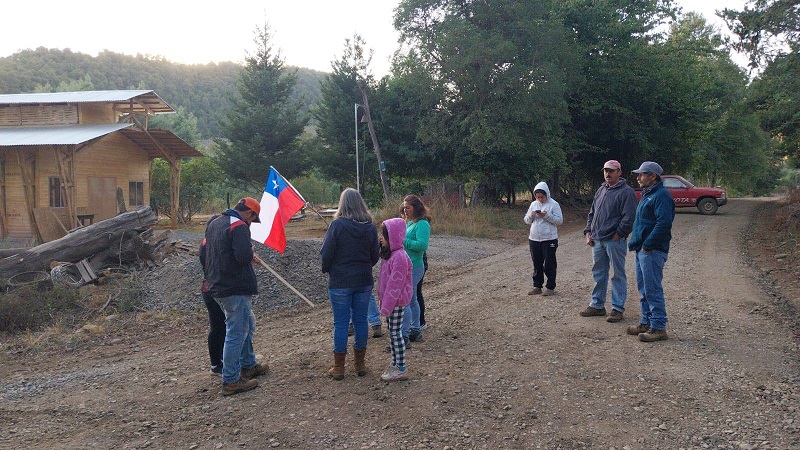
[(308, 33)]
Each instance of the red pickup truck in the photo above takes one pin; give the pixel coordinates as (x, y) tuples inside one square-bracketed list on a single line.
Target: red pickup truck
[(685, 194)]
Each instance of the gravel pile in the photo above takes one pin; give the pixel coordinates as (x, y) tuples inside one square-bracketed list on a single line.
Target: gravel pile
[(175, 285)]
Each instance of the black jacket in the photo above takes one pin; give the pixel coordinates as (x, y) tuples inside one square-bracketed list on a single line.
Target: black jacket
[(226, 254), (349, 251)]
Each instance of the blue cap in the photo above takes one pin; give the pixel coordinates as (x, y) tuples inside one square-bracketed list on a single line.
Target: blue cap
[(649, 167)]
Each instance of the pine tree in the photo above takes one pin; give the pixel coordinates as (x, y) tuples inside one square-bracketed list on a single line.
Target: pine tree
[(263, 127)]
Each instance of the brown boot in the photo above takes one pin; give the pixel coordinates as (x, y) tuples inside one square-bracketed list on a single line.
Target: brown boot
[(337, 371), (358, 363)]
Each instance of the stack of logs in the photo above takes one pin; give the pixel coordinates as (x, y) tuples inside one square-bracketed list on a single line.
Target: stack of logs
[(124, 240)]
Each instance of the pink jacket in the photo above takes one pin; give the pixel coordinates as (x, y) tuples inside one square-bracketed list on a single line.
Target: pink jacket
[(394, 282)]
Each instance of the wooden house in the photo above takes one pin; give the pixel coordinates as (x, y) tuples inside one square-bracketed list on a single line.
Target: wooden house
[(65, 157)]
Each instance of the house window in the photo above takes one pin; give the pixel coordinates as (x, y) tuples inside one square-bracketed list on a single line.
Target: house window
[(136, 193), (56, 190)]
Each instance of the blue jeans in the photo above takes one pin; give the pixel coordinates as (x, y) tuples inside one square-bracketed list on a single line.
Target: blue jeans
[(347, 304), (240, 325), (411, 316), (649, 273), (606, 254), (373, 313)]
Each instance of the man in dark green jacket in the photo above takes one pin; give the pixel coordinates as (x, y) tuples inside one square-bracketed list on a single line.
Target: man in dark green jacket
[(652, 231)]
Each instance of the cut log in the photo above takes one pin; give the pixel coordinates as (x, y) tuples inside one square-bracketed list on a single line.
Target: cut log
[(114, 233)]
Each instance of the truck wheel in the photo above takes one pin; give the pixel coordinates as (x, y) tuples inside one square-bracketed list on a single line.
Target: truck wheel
[(707, 206)]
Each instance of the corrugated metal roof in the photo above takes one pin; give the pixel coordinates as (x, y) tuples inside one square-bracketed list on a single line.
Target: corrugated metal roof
[(166, 138), (78, 134), (142, 101), (56, 135)]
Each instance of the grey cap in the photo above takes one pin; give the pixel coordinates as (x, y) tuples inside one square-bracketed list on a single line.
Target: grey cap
[(649, 167)]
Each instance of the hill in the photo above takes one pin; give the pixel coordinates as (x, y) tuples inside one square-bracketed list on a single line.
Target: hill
[(204, 90)]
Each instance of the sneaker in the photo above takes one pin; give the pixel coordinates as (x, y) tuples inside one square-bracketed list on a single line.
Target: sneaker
[(407, 340), (415, 336), (615, 316), (535, 291), (590, 312), (216, 370), (377, 330), (238, 386), (652, 335), (255, 371), (423, 326), (548, 292), (392, 373), (635, 330)]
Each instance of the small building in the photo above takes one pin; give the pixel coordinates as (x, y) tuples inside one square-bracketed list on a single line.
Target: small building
[(70, 158)]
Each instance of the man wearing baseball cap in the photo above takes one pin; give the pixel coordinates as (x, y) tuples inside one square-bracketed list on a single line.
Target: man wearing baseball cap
[(226, 255), (609, 222), (652, 231)]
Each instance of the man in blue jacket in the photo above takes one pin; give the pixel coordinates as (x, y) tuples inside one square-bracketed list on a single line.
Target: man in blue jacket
[(652, 231), (227, 256)]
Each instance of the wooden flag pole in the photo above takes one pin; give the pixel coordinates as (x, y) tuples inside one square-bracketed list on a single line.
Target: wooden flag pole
[(284, 281)]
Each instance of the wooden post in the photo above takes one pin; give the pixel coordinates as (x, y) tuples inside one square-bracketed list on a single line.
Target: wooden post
[(174, 190), (175, 171), (26, 172), (375, 146), (66, 171), (3, 221)]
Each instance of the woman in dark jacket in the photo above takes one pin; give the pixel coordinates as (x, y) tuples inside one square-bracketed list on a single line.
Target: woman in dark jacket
[(349, 251)]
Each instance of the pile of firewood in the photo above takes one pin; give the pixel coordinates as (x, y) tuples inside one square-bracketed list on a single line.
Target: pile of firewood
[(126, 240)]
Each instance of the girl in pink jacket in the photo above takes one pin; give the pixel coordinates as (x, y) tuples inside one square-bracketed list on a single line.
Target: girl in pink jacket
[(394, 291)]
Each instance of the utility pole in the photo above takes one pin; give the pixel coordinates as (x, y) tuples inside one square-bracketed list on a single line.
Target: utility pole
[(355, 121), (381, 165)]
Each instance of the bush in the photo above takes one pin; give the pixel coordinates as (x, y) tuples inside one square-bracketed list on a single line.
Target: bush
[(32, 308), (790, 178), (199, 180), (316, 190)]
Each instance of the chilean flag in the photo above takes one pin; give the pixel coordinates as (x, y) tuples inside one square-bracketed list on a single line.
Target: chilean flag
[(279, 203)]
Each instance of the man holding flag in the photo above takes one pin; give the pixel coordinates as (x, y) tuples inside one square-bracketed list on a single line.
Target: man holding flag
[(227, 256)]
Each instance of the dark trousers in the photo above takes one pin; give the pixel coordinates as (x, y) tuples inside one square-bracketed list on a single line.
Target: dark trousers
[(216, 332), (543, 254), (421, 302)]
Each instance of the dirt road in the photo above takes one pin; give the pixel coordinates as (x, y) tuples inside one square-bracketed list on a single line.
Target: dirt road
[(497, 368)]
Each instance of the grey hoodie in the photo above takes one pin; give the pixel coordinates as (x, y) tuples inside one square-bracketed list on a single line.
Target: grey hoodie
[(612, 211)]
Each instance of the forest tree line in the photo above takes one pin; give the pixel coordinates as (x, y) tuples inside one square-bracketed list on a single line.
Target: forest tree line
[(499, 94), (205, 90)]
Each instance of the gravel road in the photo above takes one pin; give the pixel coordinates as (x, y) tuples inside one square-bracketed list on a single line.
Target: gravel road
[(497, 368)]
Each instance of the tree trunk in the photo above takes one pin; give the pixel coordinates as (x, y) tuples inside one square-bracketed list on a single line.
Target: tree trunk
[(113, 234), (484, 194)]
